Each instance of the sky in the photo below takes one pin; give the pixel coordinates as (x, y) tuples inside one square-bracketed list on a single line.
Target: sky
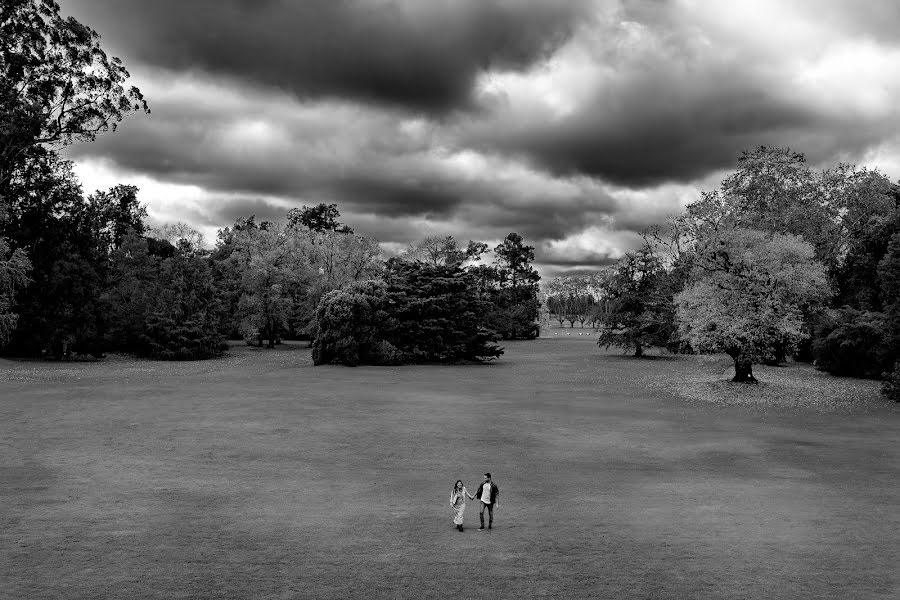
[(574, 123)]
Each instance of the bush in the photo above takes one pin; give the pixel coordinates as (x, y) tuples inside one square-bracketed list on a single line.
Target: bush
[(350, 323), (168, 339), (852, 343), (891, 386), (422, 314)]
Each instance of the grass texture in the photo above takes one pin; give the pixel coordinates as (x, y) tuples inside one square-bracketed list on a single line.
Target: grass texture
[(261, 476)]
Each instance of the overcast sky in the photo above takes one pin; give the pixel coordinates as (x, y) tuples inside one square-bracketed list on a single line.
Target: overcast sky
[(575, 124)]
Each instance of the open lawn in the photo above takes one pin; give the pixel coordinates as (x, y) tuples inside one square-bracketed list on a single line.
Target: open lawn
[(261, 476)]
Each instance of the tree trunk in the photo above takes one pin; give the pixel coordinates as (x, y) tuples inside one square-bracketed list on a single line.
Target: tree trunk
[(638, 350), (743, 371)]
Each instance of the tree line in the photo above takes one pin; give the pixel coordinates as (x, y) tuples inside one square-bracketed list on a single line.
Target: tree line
[(85, 274), (782, 261)]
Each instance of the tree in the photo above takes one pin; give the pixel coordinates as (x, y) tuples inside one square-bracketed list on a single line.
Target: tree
[(14, 268), (334, 258), (162, 305), (638, 304), (571, 298), (173, 233), (322, 217), (515, 289), (748, 293), (889, 275), (271, 264), (69, 240), (420, 313), (56, 83)]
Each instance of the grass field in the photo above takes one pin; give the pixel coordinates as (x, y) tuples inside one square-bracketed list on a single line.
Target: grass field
[(261, 476)]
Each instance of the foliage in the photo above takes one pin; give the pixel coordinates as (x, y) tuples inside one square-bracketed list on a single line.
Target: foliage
[(638, 302), (14, 268), (511, 285), (163, 307), (69, 240), (748, 293), (852, 343), (421, 313), (437, 250), (57, 85), (891, 386), (322, 217), (271, 264), (573, 298), (273, 276)]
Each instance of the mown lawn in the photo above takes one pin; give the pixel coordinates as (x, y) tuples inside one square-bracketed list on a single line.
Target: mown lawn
[(261, 476)]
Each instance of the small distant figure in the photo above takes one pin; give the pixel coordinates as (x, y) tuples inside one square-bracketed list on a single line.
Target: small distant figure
[(458, 502), (489, 495)]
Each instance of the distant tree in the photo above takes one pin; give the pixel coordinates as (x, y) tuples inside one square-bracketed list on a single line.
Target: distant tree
[(56, 83), (559, 299), (435, 250), (14, 268), (515, 303), (571, 298), (322, 217), (748, 293), (173, 233), (421, 313), (638, 306), (271, 263), (162, 305), (334, 259)]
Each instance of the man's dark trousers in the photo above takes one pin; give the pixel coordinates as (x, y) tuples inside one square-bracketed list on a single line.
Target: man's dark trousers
[(490, 509)]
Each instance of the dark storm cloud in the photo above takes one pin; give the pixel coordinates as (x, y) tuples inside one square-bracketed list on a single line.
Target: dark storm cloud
[(303, 154), (671, 99), (420, 54), (653, 133)]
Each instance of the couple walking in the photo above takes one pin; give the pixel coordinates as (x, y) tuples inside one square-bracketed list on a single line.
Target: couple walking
[(487, 494)]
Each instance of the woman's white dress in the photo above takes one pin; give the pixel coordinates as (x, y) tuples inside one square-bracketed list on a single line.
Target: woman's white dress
[(458, 501)]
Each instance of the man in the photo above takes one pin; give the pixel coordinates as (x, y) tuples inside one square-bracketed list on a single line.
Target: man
[(489, 495)]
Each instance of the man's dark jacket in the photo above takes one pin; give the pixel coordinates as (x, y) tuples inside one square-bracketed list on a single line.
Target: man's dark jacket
[(495, 491)]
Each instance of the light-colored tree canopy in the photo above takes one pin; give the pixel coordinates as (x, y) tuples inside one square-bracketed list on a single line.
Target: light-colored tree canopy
[(748, 292)]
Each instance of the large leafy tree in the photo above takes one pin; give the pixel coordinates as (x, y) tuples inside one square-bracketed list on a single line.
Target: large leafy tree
[(57, 85), (69, 240), (271, 264), (748, 294), (162, 301), (420, 313)]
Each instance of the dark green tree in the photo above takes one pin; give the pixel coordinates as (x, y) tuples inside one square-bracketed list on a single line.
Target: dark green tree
[(322, 217), (57, 85), (639, 310), (420, 314), (514, 293)]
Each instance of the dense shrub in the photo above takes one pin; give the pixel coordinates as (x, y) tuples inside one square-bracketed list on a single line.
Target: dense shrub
[(515, 322), (852, 343), (162, 305), (350, 325), (420, 314), (891, 386), (166, 338)]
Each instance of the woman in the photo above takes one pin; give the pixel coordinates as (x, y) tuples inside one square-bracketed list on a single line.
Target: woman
[(458, 502)]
